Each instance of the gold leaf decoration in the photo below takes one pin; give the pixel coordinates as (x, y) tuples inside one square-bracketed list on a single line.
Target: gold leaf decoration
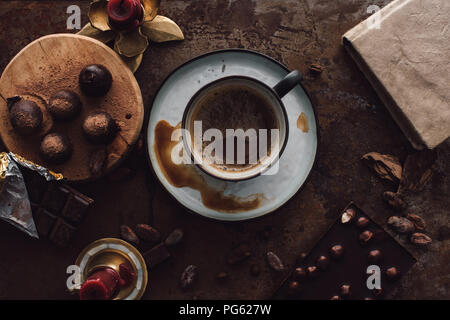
[(98, 15), (130, 44), (162, 29), (133, 63), (103, 36), (151, 9)]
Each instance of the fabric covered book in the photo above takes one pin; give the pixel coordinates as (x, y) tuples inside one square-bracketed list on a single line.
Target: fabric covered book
[(404, 51)]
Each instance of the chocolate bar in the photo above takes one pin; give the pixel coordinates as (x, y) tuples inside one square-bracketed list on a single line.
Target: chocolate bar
[(57, 208), (156, 255), (337, 266)]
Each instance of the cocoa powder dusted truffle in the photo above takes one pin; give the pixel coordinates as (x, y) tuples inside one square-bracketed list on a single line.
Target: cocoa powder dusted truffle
[(25, 115), (64, 105), (99, 127), (95, 80), (56, 148)]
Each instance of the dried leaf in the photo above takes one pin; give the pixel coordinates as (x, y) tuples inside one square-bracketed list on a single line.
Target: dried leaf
[(151, 9), (98, 15), (385, 166), (162, 29), (418, 170), (103, 36), (133, 63), (131, 44)]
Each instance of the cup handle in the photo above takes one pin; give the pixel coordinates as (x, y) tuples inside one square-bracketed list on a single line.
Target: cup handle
[(288, 83)]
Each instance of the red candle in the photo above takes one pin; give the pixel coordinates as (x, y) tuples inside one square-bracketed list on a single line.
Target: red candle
[(102, 284), (125, 15)]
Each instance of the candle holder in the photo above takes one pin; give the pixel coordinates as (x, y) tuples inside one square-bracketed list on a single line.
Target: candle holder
[(130, 40), (111, 253)]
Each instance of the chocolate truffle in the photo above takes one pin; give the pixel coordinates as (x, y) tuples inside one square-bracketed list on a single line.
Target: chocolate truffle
[(323, 263), (99, 127), (95, 80), (55, 148), (25, 115), (337, 251), (294, 287), (64, 105)]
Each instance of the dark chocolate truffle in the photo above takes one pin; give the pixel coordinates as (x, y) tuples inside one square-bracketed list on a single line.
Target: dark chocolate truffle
[(375, 256), (25, 115), (64, 105), (56, 148), (392, 273), (345, 290), (99, 127), (312, 271), (95, 80)]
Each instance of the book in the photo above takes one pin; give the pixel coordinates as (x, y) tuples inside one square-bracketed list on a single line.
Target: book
[(404, 51)]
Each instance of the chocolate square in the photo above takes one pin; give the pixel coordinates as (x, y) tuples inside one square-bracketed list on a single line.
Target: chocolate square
[(36, 185), (75, 208), (55, 198), (62, 233), (44, 222), (156, 255)]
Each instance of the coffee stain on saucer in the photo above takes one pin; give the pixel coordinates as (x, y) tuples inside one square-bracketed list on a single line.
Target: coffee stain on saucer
[(302, 123), (186, 175)]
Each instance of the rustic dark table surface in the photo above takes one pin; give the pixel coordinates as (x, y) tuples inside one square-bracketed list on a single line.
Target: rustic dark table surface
[(352, 121)]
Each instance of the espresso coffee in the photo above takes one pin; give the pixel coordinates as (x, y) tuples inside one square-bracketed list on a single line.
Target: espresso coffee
[(236, 106)]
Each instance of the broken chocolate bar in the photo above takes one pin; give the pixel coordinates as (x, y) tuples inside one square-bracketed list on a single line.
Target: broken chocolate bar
[(57, 208), (156, 255), (346, 278)]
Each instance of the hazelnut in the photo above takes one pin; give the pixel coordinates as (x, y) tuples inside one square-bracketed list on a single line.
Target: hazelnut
[(299, 274), (348, 215), (312, 271), (56, 148), (99, 127), (337, 251), (375, 256), (25, 115), (345, 290), (392, 273), (362, 222), (323, 263), (64, 105), (365, 237), (95, 80)]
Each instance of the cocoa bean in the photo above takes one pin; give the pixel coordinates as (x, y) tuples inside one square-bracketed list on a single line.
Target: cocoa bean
[(395, 200), (255, 270), (239, 254), (97, 161), (418, 221), (222, 276), (147, 233), (188, 276), (400, 224), (420, 239), (315, 69), (274, 261), (128, 234), (174, 238)]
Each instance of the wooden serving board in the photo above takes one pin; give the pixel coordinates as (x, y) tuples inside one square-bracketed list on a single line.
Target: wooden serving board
[(53, 63)]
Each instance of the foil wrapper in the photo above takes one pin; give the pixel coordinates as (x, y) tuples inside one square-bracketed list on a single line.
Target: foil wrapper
[(15, 206)]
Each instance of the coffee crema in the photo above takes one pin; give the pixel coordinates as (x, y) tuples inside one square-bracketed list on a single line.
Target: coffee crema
[(236, 106)]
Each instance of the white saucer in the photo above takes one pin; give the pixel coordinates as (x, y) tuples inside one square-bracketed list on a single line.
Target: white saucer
[(296, 161)]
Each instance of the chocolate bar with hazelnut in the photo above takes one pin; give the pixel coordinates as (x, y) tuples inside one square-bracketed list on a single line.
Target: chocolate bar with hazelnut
[(337, 266)]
